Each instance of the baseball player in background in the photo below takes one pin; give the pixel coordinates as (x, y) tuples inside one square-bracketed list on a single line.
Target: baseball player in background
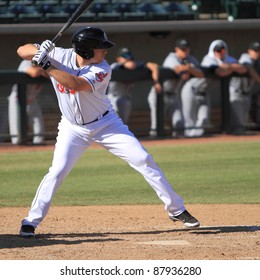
[(80, 76), (34, 113), (196, 93), (120, 92), (185, 66), (241, 89)]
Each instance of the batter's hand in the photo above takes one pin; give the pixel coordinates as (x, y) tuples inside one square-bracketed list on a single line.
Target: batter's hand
[(47, 45), (41, 59)]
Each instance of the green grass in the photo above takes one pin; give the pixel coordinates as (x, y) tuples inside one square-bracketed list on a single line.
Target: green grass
[(200, 173)]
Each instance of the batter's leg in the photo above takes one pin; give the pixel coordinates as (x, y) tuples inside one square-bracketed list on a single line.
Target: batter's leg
[(117, 139), (68, 148)]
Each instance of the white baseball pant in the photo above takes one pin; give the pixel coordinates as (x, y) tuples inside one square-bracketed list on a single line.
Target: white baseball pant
[(110, 133)]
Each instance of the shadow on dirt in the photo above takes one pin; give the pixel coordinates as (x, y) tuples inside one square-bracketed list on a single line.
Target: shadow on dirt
[(225, 229), (41, 240), (200, 230)]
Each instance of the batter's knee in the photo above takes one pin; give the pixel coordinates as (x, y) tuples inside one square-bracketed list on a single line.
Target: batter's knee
[(142, 159), (59, 172)]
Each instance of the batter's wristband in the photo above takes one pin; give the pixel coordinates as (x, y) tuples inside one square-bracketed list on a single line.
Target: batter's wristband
[(46, 65)]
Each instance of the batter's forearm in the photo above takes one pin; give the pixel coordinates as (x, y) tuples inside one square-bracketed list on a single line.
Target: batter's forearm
[(27, 51), (69, 81)]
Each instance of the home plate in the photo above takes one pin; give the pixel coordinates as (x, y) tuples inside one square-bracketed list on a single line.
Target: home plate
[(167, 242)]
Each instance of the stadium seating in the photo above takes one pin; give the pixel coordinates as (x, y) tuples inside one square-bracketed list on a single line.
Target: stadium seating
[(7, 18), (30, 11), (243, 9), (212, 9), (69, 6), (179, 11), (154, 11)]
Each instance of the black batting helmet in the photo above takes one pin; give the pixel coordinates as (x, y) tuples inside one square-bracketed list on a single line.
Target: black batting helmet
[(88, 38)]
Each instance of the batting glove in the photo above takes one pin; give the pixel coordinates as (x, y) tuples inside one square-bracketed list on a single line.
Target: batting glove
[(41, 59), (47, 45)]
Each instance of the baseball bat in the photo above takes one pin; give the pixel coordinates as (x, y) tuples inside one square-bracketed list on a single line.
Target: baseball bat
[(81, 8)]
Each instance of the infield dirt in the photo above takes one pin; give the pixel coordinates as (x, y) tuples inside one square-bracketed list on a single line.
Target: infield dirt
[(228, 232)]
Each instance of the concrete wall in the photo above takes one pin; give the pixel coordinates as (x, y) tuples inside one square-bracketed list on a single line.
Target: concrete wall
[(138, 37)]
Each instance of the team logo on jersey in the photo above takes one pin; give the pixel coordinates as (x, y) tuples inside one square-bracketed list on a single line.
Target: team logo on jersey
[(101, 76), (62, 89)]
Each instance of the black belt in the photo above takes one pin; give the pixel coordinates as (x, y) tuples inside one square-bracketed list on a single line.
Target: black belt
[(98, 118)]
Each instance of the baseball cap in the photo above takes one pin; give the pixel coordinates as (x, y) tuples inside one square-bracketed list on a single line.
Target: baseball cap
[(125, 53), (182, 44), (220, 46), (255, 46)]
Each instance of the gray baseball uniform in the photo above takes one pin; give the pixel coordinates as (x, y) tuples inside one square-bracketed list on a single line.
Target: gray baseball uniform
[(240, 95), (34, 113), (119, 94), (196, 97), (172, 89)]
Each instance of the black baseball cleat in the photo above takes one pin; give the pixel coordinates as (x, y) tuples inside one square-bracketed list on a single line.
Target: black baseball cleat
[(27, 231), (187, 219)]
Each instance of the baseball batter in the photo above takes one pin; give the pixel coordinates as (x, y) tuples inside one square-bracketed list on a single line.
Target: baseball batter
[(80, 77), (33, 109)]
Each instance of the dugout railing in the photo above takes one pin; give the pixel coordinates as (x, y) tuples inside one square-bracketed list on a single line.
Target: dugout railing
[(143, 74)]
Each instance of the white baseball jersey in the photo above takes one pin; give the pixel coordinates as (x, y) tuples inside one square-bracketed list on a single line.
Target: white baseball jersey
[(84, 106)]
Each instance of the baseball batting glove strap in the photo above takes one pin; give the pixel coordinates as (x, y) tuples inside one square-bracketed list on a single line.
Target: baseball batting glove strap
[(41, 59), (46, 65), (47, 45)]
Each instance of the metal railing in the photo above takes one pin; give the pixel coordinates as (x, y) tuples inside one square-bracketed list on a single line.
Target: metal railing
[(142, 74)]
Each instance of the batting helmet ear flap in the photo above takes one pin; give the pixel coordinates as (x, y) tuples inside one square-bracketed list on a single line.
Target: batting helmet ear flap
[(86, 53)]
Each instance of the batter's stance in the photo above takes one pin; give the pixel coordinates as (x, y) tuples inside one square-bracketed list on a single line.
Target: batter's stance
[(80, 76)]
